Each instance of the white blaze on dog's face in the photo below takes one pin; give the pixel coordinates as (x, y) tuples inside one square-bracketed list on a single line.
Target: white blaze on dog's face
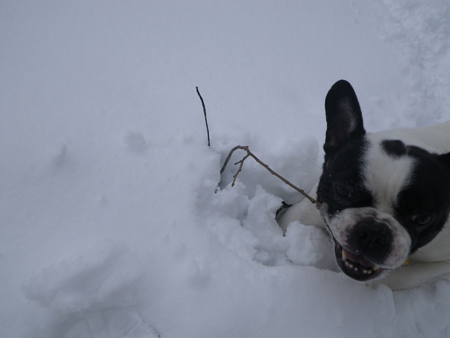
[(381, 199), (384, 175)]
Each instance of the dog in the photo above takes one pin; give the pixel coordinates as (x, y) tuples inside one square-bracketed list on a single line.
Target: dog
[(384, 197)]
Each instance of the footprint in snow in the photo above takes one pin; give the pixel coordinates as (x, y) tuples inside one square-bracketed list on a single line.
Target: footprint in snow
[(112, 323)]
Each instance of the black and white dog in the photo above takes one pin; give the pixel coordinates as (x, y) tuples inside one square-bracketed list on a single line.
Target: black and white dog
[(385, 197)]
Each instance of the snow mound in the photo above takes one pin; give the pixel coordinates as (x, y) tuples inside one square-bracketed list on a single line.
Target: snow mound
[(115, 219), (309, 246), (100, 278)]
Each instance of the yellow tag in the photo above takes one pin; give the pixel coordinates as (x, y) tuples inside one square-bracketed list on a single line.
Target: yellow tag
[(407, 261)]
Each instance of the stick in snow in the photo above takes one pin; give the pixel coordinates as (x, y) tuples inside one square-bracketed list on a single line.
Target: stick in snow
[(250, 154), (204, 113)]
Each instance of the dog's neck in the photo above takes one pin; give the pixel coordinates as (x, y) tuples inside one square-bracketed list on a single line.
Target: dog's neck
[(435, 139)]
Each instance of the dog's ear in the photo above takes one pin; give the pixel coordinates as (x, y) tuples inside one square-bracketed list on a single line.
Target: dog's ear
[(344, 118)]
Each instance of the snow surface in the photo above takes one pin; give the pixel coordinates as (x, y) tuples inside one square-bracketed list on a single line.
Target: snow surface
[(114, 219)]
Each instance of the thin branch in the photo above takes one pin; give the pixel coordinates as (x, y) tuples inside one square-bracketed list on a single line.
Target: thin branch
[(204, 113), (241, 164), (229, 156), (250, 154)]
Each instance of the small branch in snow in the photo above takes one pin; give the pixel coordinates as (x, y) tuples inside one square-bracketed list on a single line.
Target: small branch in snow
[(204, 113), (241, 164), (250, 154)]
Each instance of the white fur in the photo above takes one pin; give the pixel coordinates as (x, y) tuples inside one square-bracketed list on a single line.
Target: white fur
[(304, 211), (385, 176)]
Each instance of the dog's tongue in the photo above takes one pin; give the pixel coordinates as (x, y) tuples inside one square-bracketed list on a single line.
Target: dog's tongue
[(358, 259)]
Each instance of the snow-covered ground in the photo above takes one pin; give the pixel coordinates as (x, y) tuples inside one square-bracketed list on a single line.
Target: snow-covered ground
[(114, 219)]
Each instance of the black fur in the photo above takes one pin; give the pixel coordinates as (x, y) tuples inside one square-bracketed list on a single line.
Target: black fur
[(343, 171), (344, 147), (427, 196), (344, 118)]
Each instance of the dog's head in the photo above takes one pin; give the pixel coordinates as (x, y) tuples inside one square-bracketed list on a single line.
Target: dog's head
[(381, 199)]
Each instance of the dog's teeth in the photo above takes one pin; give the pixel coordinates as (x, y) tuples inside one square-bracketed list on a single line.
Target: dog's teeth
[(356, 269)]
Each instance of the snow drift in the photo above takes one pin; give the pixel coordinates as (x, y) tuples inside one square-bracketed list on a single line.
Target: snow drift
[(115, 220)]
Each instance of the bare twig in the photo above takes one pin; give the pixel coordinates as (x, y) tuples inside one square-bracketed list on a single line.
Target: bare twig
[(241, 164), (250, 154), (204, 113), (229, 156)]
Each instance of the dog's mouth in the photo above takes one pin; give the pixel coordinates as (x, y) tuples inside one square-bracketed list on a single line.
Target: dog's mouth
[(354, 265)]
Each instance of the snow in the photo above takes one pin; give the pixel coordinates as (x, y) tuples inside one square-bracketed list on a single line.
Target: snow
[(115, 220)]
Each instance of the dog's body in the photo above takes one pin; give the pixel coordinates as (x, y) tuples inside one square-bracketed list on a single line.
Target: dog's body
[(385, 197)]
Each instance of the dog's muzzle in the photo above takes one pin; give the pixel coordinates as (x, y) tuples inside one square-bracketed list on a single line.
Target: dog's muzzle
[(368, 244), (364, 242)]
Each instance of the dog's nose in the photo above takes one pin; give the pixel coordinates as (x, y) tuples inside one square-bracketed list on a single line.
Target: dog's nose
[(372, 239)]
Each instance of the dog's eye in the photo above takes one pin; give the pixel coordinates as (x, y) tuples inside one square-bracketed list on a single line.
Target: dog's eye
[(422, 219), (342, 191)]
